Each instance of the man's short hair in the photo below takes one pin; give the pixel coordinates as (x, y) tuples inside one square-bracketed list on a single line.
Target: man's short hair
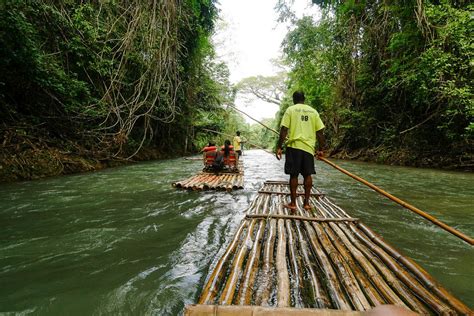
[(238, 133), (298, 97)]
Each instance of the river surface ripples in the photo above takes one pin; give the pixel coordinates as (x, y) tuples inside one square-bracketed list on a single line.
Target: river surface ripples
[(124, 241)]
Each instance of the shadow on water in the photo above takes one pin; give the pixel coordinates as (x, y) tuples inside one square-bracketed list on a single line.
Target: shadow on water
[(123, 241)]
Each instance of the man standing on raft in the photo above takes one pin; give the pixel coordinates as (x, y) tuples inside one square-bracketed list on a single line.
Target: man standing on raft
[(304, 126)]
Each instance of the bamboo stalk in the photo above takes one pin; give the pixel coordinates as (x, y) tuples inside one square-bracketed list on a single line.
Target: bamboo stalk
[(347, 278), (246, 285), (263, 293), (295, 264), (388, 294), (208, 179), (230, 286), (253, 119), (213, 181), (250, 143), (182, 183), (283, 293), (196, 181), (347, 251), (221, 183), (418, 271), (427, 297), (429, 217), (301, 218), (234, 182), (286, 193), (385, 271), (412, 302), (280, 182), (228, 180), (318, 293), (459, 306), (211, 287), (336, 294)]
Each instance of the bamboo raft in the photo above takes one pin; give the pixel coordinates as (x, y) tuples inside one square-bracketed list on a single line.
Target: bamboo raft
[(322, 260), (213, 181)]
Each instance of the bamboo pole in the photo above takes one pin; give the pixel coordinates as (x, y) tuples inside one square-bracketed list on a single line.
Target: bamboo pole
[(347, 278), (418, 271), (250, 143), (301, 218), (366, 273), (253, 119), (351, 247), (317, 290), (335, 291), (429, 217), (294, 263), (285, 193), (435, 221), (283, 293), (414, 304), (434, 302), (337, 238), (181, 183), (246, 285), (385, 271), (263, 293), (278, 182), (210, 289), (230, 286), (411, 266), (345, 272)]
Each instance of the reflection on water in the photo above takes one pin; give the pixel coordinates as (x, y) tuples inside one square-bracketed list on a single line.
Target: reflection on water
[(124, 241)]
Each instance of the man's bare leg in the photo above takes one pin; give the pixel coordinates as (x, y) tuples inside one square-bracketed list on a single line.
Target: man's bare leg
[(308, 184), (293, 187)]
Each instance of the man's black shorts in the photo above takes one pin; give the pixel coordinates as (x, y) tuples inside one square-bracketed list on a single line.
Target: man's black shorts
[(298, 161)]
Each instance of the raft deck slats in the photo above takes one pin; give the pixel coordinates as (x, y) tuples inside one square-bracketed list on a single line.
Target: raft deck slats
[(286, 193), (321, 258), (222, 180)]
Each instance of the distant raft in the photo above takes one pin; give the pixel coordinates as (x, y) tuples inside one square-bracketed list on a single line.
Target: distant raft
[(212, 181), (324, 260)]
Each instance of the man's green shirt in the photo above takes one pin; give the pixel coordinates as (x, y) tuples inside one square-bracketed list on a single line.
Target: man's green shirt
[(302, 122)]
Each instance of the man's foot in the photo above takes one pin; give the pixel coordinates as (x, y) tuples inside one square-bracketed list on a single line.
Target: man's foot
[(307, 207), (292, 208)]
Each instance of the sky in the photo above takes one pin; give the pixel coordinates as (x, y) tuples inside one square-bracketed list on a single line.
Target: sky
[(248, 37)]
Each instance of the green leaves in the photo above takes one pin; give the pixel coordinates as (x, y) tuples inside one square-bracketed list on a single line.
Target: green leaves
[(118, 71), (392, 75)]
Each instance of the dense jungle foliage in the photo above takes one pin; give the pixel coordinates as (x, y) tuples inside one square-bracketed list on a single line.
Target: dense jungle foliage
[(90, 82), (392, 79)]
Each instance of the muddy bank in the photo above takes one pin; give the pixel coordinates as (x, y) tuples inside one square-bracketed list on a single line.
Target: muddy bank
[(24, 157), (39, 163)]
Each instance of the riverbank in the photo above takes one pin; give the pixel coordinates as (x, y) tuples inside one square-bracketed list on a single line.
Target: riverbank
[(37, 163), (26, 157), (463, 161)]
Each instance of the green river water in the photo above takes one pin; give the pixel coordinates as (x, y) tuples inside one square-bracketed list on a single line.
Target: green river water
[(124, 241)]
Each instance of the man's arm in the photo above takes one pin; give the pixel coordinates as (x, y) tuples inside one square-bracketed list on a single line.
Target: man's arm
[(321, 142), (283, 133)]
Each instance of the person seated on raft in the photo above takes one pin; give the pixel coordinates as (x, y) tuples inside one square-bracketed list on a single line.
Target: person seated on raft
[(229, 156), (209, 154), (210, 147)]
